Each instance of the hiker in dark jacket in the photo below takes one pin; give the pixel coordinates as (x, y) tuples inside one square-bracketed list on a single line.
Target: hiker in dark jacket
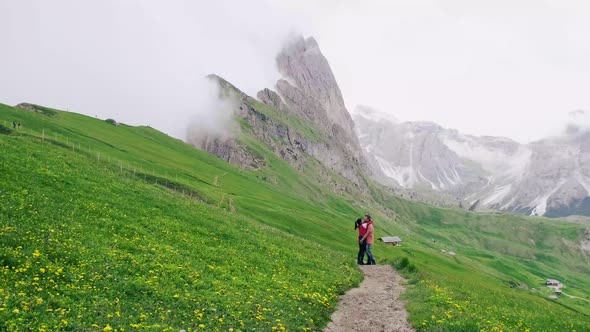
[(362, 245)]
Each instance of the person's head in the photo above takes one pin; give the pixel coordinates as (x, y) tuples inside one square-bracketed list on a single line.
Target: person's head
[(366, 218), (357, 223)]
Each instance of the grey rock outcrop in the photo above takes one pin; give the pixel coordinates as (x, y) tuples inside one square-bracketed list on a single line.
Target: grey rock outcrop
[(36, 109), (233, 152), (27, 107)]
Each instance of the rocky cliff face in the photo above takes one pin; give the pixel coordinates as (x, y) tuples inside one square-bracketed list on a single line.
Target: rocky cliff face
[(305, 118), (550, 177), (309, 90), (313, 89), (274, 133)]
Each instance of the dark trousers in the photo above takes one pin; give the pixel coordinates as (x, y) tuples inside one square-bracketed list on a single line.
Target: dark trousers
[(362, 249)]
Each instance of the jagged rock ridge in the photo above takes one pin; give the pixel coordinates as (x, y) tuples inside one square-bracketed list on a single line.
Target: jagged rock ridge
[(309, 93), (303, 63)]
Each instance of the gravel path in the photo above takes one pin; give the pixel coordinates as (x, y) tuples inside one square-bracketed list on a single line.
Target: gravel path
[(374, 306)]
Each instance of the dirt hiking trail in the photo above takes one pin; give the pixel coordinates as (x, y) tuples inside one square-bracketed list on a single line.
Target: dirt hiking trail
[(374, 306)]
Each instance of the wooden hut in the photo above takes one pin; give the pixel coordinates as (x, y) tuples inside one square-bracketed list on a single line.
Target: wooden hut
[(393, 240)]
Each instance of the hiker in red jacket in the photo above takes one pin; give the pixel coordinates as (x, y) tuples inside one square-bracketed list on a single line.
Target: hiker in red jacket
[(368, 237), (362, 244)]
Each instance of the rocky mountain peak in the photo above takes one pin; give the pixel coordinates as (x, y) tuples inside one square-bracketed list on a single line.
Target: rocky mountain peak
[(303, 65), (309, 90)]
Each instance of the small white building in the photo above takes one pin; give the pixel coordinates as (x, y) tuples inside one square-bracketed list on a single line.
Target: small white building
[(393, 240), (552, 282)]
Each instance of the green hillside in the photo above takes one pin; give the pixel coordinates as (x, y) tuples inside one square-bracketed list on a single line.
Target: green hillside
[(107, 227)]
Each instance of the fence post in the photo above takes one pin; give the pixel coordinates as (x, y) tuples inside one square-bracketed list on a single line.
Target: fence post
[(98, 157), (43, 135), (121, 166)]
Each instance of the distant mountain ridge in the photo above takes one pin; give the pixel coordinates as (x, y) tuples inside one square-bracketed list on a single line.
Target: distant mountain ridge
[(303, 119), (549, 177)]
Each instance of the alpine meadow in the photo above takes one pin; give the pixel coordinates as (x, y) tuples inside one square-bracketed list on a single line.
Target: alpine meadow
[(110, 227)]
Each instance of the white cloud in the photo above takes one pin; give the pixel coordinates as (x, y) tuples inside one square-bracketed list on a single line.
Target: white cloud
[(578, 121), (213, 116), (486, 67), (137, 61)]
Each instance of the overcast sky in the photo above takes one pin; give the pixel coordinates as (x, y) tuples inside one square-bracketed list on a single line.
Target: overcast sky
[(508, 68)]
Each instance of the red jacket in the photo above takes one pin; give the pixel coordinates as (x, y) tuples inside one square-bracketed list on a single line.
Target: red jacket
[(363, 228)]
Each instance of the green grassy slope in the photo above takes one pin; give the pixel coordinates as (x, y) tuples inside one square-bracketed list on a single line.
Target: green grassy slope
[(495, 281), (126, 227), (86, 245)]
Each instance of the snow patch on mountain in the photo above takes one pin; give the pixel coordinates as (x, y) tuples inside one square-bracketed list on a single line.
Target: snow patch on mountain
[(497, 195), (509, 204), (540, 202), (585, 182), (432, 185), (405, 176), (499, 156)]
